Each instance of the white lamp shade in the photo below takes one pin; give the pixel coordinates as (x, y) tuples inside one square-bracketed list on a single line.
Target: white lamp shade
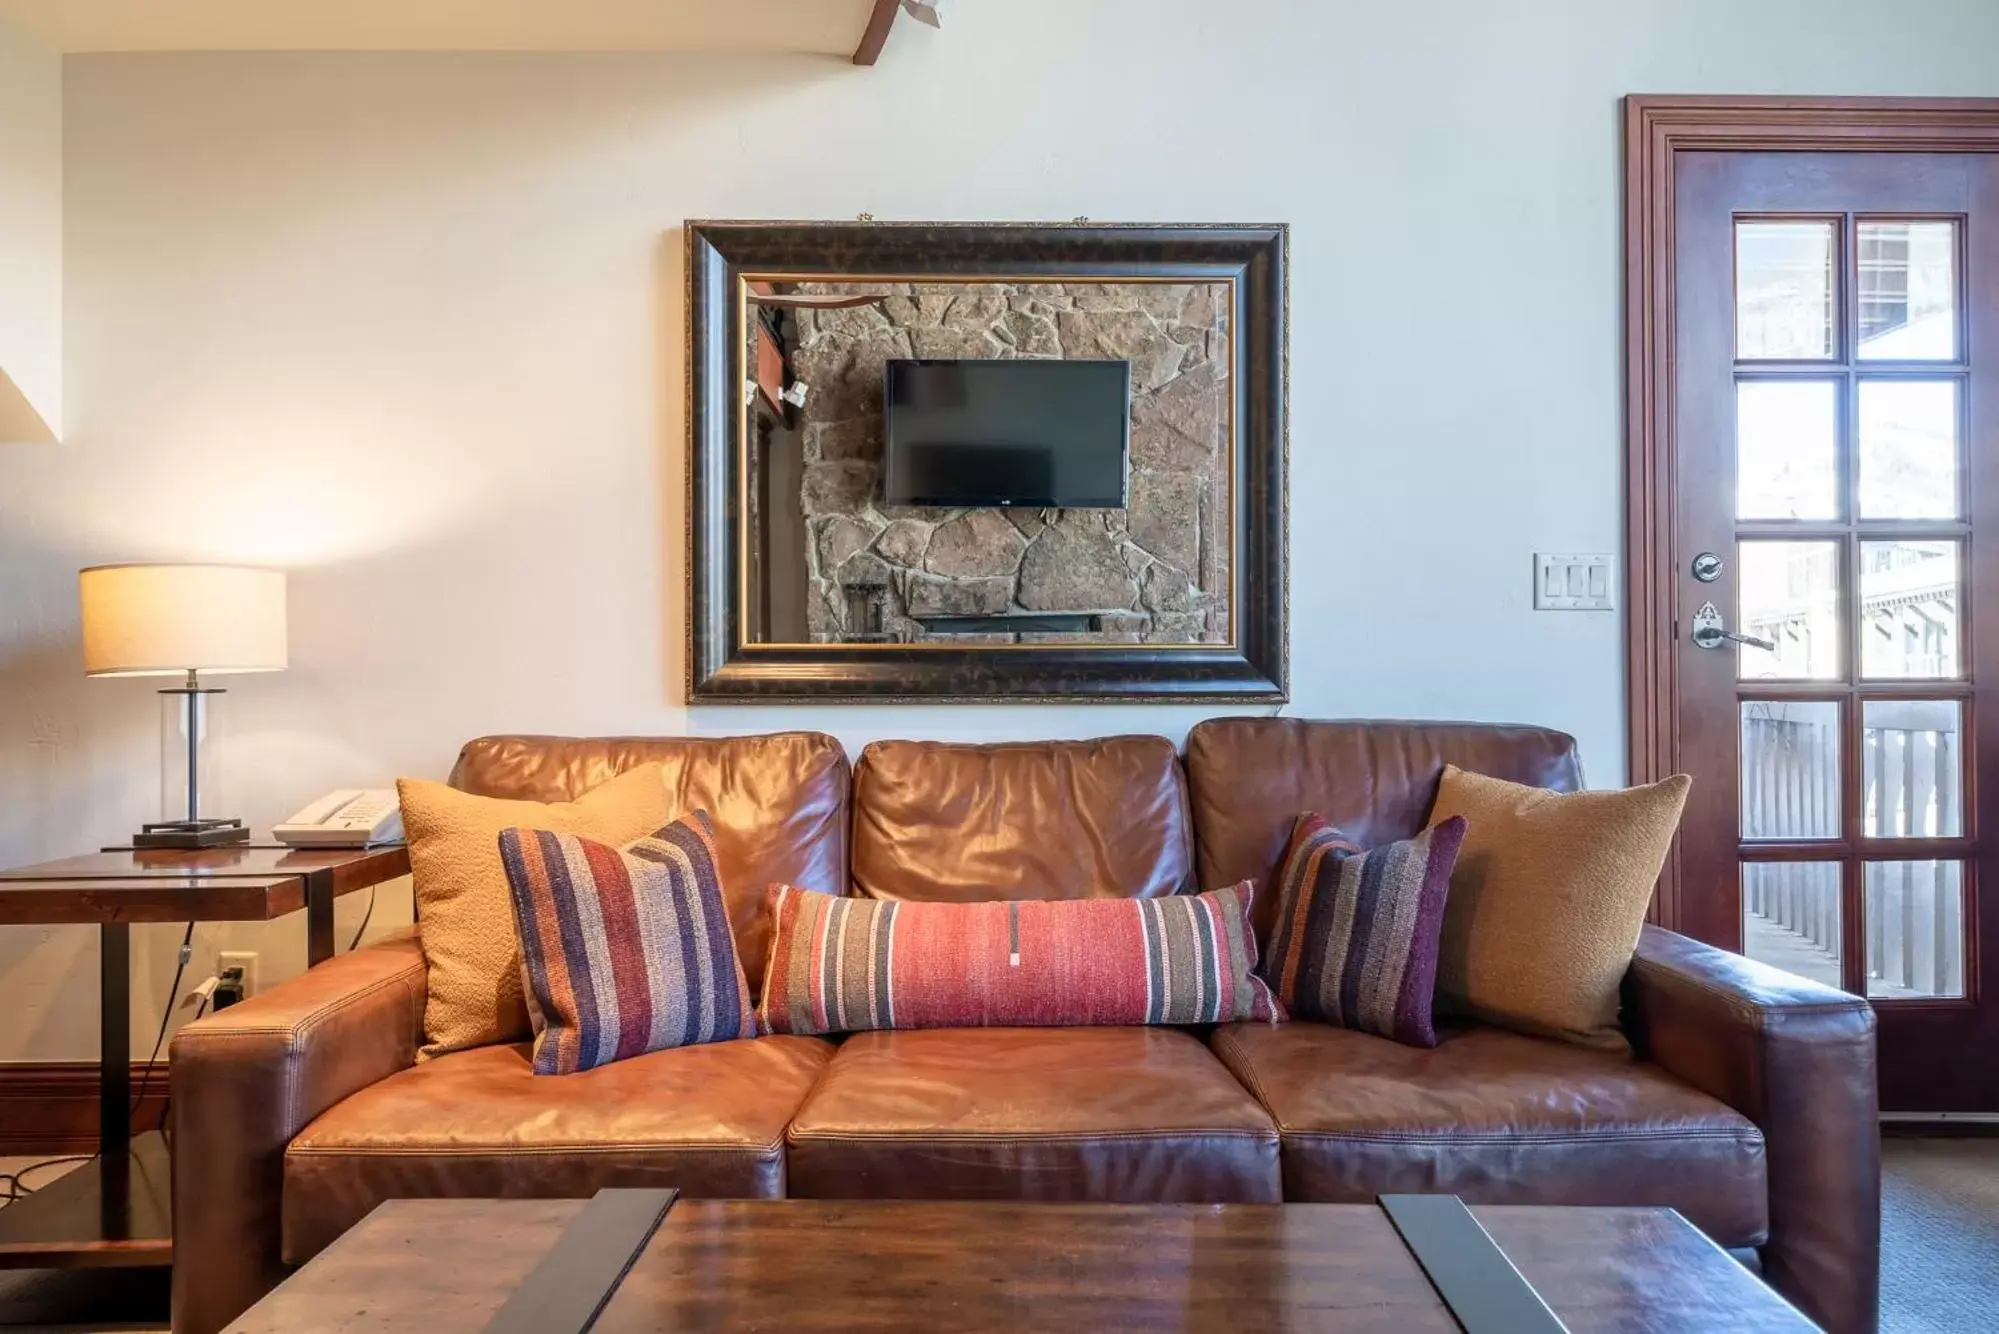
[(165, 620)]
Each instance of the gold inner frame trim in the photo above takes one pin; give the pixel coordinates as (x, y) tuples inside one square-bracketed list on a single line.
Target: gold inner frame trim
[(740, 339)]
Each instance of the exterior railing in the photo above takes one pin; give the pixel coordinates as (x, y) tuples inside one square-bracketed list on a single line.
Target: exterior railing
[(1912, 924)]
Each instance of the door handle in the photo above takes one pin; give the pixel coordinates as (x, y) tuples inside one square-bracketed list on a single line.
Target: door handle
[(1715, 638), (1710, 633)]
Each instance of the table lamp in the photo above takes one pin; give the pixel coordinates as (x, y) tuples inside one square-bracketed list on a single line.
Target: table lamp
[(183, 620)]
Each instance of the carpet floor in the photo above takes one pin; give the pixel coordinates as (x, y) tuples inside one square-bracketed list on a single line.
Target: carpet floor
[(1939, 1236), (1939, 1255)]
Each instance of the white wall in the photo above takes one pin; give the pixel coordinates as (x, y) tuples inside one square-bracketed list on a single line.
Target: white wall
[(411, 326), (30, 228)]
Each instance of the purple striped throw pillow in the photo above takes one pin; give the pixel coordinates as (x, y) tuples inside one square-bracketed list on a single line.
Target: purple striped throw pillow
[(624, 950), (1356, 937)]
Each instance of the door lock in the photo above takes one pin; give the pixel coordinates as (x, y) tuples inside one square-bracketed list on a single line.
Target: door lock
[(1707, 567), (1709, 632)]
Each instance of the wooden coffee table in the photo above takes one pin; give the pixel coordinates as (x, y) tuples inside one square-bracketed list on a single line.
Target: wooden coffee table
[(446, 1266)]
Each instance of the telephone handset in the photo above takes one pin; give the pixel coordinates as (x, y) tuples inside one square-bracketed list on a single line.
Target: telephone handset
[(348, 818)]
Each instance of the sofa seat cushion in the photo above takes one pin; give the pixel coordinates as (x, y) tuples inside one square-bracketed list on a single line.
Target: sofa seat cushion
[(1132, 1115), (708, 1119), (1498, 1118)]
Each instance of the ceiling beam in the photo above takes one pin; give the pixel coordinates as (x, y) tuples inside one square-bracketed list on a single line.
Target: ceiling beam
[(876, 35)]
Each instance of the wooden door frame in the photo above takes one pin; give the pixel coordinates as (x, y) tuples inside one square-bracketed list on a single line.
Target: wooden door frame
[(1656, 129)]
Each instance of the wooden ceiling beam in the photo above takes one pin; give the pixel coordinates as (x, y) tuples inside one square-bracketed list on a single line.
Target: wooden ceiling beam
[(876, 34)]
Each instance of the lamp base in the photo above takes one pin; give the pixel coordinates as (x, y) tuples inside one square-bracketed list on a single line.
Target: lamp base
[(191, 834)]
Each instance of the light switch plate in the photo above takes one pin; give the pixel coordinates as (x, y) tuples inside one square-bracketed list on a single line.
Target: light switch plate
[(1574, 583)]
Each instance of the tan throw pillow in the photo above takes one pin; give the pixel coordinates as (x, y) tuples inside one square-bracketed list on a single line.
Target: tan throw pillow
[(470, 944), (1547, 901)]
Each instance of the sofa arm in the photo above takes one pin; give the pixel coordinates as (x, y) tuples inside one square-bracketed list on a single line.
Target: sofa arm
[(1797, 1058), (244, 1082)]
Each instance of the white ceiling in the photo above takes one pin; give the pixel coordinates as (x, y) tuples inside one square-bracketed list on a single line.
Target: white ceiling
[(830, 27)]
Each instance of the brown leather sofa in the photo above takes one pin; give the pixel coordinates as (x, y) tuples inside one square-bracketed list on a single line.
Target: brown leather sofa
[(1751, 1108)]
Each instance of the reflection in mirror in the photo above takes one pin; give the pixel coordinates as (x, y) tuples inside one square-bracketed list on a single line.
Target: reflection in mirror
[(1087, 498)]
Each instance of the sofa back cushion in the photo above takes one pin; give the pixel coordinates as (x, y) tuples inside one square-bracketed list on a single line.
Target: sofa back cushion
[(952, 823), (1250, 779), (778, 802)]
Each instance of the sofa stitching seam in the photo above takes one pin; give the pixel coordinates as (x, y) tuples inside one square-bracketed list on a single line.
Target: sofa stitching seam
[(1029, 1137), (1250, 1079), (1748, 1137), (294, 1037), (307, 1023), (513, 1151)]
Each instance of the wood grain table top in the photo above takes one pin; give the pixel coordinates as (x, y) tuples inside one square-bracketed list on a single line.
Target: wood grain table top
[(245, 883), (445, 1266)]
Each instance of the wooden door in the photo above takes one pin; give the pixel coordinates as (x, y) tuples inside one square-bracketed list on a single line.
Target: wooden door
[(1831, 562)]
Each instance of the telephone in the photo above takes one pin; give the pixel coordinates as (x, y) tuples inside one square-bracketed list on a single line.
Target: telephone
[(348, 818)]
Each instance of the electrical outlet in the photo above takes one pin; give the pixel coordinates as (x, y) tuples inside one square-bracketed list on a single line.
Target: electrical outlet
[(245, 960)]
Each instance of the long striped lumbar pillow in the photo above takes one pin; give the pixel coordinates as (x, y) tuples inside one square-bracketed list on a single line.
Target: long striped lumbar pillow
[(625, 950), (839, 964)]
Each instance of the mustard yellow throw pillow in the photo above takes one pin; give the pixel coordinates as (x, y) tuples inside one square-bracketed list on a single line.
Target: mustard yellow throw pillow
[(470, 944), (1547, 900)]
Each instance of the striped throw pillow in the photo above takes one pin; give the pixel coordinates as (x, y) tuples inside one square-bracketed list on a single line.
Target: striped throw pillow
[(839, 964), (624, 950), (1357, 932)]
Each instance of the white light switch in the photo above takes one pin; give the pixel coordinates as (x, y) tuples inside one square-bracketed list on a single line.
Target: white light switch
[(1573, 583)]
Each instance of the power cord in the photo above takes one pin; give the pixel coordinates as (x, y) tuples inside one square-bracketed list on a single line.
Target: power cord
[(362, 929), (166, 1017), (13, 1187), (167, 1103)]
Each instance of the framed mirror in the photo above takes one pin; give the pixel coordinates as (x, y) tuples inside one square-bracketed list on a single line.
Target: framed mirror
[(986, 461)]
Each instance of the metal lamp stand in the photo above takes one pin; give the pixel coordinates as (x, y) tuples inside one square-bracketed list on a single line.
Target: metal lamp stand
[(192, 832)]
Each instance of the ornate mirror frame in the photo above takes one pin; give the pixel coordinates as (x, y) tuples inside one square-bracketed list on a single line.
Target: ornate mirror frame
[(723, 258)]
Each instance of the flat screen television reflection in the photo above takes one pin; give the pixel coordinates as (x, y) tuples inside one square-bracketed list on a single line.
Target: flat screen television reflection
[(1030, 433)]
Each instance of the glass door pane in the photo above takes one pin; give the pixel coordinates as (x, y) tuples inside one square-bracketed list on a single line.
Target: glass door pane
[(1790, 595), (1915, 930), (1785, 285), (1908, 290), (1908, 437), (1790, 769), (1791, 917), (1909, 600), (1787, 449)]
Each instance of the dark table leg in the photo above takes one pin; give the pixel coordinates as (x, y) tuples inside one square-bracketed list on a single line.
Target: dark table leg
[(114, 1080), (116, 1209), (318, 917)]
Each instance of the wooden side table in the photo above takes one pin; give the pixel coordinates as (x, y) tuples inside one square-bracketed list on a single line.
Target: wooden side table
[(116, 1209)]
